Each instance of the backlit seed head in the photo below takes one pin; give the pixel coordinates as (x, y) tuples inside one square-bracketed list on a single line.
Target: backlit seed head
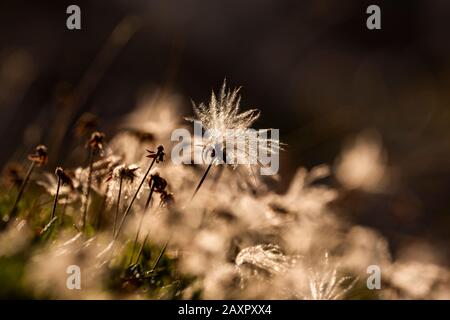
[(167, 198), (158, 183), (96, 141), (158, 155), (65, 178), (39, 157), (127, 172)]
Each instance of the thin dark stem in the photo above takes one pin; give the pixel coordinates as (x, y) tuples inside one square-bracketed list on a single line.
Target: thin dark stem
[(142, 247), (202, 179), (117, 206), (130, 205), (56, 198), (160, 255), (86, 204), (140, 222), (21, 190)]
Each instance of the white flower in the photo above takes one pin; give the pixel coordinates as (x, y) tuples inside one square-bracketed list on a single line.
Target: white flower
[(224, 123), (125, 179)]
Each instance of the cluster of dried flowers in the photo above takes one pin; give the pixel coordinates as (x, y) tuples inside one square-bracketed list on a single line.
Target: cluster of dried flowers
[(236, 239)]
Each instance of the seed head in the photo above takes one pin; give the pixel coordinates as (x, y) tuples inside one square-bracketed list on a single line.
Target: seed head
[(167, 198), (39, 157), (125, 172), (158, 183), (96, 141), (158, 155), (223, 122), (65, 178)]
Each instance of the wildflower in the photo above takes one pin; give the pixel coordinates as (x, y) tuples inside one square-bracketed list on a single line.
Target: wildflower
[(157, 156), (63, 179), (38, 158), (266, 258), (167, 198), (117, 178), (95, 143), (223, 122), (157, 184), (326, 284)]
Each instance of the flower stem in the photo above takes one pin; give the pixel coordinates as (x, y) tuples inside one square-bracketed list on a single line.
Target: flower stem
[(88, 191), (56, 198), (21, 190), (140, 223), (117, 206), (127, 211), (160, 255), (142, 247), (202, 179)]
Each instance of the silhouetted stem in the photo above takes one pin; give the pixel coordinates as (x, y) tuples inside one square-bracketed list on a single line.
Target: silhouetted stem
[(160, 255), (117, 206), (142, 248), (88, 191), (56, 198), (21, 190), (140, 222), (202, 179), (127, 211)]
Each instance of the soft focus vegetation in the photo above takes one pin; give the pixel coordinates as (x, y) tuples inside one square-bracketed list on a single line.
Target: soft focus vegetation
[(127, 218)]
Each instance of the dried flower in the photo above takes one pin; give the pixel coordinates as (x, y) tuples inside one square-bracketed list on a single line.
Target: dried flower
[(158, 155), (39, 157), (158, 183), (96, 141), (65, 178), (222, 120), (326, 284), (96, 145), (125, 175), (167, 198)]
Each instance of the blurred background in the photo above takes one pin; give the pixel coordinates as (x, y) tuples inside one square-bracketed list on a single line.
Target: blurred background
[(312, 67)]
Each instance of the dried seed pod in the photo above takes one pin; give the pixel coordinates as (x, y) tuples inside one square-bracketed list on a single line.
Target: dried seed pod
[(40, 155), (158, 183), (96, 141), (167, 198), (158, 155), (65, 178)]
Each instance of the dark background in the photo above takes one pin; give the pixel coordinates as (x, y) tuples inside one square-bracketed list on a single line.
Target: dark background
[(312, 67)]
